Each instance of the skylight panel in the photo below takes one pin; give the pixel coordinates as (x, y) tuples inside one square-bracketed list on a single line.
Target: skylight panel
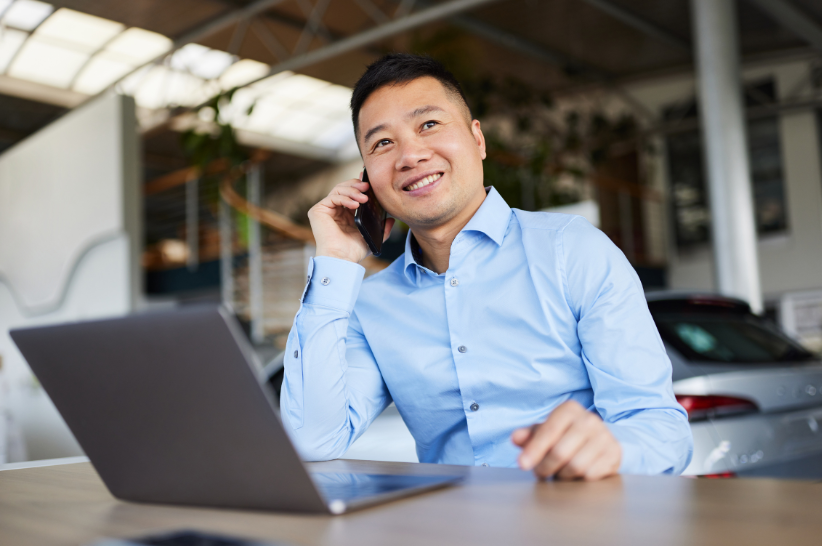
[(298, 125), (242, 72), (27, 14), (138, 46), (77, 30), (10, 42), (265, 117), (201, 61), (45, 63), (161, 87), (335, 135), (271, 81), (297, 87), (100, 72)]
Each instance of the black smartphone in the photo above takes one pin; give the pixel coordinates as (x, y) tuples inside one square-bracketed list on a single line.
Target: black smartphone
[(185, 538), (370, 219)]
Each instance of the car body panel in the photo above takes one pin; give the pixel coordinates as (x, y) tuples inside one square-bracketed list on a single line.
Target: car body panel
[(753, 444)]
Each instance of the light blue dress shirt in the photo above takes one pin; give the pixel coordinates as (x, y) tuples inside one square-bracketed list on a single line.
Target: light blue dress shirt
[(535, 309)]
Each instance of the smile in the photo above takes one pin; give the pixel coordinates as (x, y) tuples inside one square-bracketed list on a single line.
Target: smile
[(424, 182)]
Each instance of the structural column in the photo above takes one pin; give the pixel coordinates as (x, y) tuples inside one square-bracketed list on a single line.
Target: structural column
[(255, 258), (736, 263)]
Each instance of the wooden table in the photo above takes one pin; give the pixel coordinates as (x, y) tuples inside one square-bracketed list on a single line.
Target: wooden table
[(69, 505)]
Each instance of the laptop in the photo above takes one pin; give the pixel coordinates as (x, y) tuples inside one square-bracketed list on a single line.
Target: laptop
[(169, 408)]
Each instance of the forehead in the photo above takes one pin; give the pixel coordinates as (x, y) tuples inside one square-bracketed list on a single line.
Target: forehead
[(397, 100)]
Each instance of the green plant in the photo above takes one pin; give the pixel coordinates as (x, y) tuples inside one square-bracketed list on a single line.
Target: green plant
[(216, 138)]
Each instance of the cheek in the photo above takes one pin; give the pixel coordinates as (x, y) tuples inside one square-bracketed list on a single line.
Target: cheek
[(457, 149)]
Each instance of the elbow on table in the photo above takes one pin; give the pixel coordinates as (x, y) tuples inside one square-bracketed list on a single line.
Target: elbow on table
[(319, 449), (313, 445)]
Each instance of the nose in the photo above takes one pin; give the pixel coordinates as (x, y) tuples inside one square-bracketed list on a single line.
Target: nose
[(413, 151)]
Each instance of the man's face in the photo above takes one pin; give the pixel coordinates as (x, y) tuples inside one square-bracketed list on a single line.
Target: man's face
[(423, 155)]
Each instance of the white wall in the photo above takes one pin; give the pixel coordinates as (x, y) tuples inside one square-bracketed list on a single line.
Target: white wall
[(790, 261), (70, 242)]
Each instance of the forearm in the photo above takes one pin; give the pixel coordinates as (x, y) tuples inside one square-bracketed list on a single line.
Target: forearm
[(321, 400), (653, 441)]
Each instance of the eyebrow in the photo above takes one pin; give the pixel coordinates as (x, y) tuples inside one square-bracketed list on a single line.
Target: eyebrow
[(418, 112)]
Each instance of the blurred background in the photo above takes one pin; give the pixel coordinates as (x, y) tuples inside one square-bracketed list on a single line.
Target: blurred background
[(155, 154)]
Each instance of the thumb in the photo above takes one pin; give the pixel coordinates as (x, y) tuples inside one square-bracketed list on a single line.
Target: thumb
[(389, 223)]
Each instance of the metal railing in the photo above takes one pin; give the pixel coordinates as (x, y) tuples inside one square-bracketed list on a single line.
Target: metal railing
[(262, 254)]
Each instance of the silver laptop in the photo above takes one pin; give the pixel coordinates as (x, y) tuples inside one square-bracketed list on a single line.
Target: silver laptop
[(169, 409)]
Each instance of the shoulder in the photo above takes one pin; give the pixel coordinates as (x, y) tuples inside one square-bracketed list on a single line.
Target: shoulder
[(547, 221), (569, 230)]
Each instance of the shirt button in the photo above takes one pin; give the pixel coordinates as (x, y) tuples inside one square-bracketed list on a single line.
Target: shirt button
[(325, 281), (474, 406), (484, 464), (455, 282), (462, 348), (297, 354)]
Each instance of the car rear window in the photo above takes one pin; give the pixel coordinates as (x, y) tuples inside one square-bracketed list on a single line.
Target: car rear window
[(724, 336)]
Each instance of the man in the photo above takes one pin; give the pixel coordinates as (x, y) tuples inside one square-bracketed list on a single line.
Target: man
[(504, 337)]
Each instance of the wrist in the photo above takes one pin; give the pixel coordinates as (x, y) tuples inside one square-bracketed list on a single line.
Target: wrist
[(339, 255)]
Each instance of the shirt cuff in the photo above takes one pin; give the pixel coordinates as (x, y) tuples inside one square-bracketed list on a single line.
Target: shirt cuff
[(333, 283), (631, 462)]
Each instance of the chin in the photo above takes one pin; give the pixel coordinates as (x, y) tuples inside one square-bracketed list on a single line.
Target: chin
[(429, 218)]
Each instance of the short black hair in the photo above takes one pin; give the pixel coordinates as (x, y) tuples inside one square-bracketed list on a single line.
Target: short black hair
[(399, 68)]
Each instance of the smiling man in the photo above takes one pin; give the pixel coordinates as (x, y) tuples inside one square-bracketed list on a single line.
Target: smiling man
[(504, 337)]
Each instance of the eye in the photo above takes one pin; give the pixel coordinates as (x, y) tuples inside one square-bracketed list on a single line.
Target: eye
[(429, 124), (383, 142)]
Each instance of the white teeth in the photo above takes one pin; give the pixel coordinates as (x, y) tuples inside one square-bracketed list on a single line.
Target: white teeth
[(424, 182)]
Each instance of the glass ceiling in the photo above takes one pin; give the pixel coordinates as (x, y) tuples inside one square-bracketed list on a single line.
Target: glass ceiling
[(74, 51)]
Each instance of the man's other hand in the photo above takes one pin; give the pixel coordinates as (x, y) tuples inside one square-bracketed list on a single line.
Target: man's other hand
[(573, 443)]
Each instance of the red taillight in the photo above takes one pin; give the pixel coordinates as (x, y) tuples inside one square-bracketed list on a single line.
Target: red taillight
[(703, 407), (719, 476)]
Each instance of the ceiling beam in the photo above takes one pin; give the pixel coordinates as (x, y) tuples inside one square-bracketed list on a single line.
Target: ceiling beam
[(641, 24), (794, 20), (569, 65), (439, 11), (514, 42)]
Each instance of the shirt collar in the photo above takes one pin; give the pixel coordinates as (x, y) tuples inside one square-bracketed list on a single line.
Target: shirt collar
[(492, 219)]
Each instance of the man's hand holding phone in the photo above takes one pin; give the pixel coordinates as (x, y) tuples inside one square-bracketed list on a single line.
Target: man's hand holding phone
[(332, 221)]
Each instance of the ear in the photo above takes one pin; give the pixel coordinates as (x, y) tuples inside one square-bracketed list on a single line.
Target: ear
[(479, 138)]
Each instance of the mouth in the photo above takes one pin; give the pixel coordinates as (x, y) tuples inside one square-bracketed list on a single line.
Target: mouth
[(418, 183)]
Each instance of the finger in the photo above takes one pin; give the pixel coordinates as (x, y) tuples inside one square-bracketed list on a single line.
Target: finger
[(548, 433), (521, 435), (389, 223), (565, 449), (353, 183), (607, 464), (585, 457), (333, 201), (350, 191)]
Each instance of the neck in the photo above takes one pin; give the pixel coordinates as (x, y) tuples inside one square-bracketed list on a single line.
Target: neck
[(435, 242)]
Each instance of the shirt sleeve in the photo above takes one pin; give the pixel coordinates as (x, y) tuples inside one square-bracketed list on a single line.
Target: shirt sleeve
[(332, 389), (627, 365)]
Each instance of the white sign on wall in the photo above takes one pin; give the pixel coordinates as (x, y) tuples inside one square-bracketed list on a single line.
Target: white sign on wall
[(801, 317)]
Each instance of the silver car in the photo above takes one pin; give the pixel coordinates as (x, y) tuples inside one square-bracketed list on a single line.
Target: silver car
[(753, 395)]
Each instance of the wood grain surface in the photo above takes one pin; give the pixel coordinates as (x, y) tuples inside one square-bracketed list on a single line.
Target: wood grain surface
[(69, 505)]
